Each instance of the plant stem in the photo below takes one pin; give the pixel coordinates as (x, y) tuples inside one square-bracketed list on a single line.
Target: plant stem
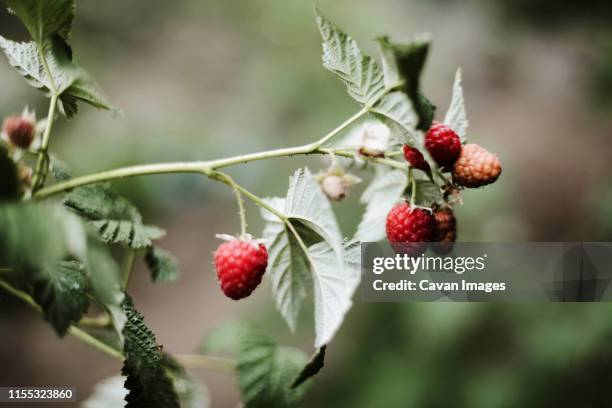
[(241, 212), (127, 266), (196, 361), (95, 343), (207, 167), (42, 163)]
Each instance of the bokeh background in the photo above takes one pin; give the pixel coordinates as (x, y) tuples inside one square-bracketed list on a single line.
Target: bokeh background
[(206, 79)]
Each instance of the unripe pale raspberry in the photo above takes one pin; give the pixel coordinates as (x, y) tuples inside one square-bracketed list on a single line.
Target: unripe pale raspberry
[(19, 130), (443, 145), (444, 231), (476, 167), (416, 159), (335, 187), (409, 229), (240, 266)]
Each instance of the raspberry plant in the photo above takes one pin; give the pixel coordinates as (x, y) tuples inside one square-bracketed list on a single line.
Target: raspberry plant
[(57, 229)]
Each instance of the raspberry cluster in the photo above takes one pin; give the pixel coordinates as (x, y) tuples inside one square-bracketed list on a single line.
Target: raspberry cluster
[(410, 229)]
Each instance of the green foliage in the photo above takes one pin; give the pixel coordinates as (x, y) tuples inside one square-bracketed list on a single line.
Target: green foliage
[(311, 369), (46, 62), (396, 111), (403, 63), (61, 290), (114, 217), (35, 236), (307, 251), (266, 370), (341, 55), (45, 19), (381, 195), (105, 283), (456, 117), (191, 392), (147, 381), (162, 264)]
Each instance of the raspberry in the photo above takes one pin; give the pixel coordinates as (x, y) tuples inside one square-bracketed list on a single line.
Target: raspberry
[(409, 229), (374, 140), (443, 144), (476, 167), (335, 187), (240, 266), (444, 231), (416, 159), (20, 130)]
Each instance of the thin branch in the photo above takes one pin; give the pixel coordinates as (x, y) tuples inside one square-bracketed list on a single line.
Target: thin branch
[(188, 360)]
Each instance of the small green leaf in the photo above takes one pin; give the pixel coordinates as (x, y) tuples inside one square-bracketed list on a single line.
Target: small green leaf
[(162, 264), (427, 194), (45, 18), (341, 55), (147, 381), (403, 63), (266, 371), (381, 195), (71, 82), (114, 217), (311, 369), (456, 117), (61, 291)]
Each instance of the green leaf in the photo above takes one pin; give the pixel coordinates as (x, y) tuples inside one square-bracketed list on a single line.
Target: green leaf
[(266, 371), (225, 339), (428, 194), (403, 63), (147, 381), (396, 111), (105, 283), (456, 117), (290, 274), (191, 393), (114, 217), (162, 264), (35, 236), (381, 195), (306, 252), (311, 369), (341, 55), (45, 18), (9, 186), (333, 287), (61, 291), (71, 82)]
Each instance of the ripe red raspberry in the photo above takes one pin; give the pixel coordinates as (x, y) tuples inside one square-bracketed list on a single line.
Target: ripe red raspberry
[(409, 229), (444, 231), (476, 167), (416, 159), (443, 144), (240, 266), (20, 130)]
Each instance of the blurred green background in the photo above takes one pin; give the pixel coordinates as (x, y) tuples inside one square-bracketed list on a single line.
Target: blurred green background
[(207, 79)]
